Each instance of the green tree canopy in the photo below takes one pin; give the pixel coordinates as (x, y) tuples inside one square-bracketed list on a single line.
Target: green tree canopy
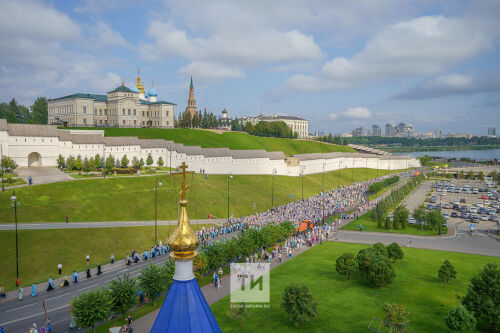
[(91, 307)]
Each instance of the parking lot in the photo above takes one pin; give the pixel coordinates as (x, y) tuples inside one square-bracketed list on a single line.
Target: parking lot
[(463, 203)]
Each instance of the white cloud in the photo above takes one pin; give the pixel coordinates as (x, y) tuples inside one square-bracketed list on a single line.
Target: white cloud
[(421, 46), (452, 84), (103, 36), (352, 113), (205, 71)]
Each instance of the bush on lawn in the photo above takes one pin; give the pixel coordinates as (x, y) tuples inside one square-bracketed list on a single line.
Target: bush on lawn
[(298, 304), (395, 252), (347, 265), (447, 272)]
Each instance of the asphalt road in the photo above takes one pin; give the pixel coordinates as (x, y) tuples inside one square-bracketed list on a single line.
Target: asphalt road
[(18, 316)]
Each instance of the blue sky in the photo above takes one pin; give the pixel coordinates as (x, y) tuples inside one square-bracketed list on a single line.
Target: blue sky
[(340, 64)]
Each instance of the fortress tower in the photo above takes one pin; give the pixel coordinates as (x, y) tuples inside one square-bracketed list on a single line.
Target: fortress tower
[(191, 103)]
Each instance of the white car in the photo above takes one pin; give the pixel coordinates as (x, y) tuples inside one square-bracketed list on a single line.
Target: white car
[(472, 209), (486, 202), (484, 217), (446, 216), (479, 204), (411, 220), (495, 205), (466, 186)]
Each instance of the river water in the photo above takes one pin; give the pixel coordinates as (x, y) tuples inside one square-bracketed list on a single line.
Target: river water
[(478, 155)]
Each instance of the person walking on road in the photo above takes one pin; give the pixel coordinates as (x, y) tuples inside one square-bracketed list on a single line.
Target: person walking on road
[(34, 292), (20, 294), (59, 268), (360, 227), (67, 218), (87, 258)]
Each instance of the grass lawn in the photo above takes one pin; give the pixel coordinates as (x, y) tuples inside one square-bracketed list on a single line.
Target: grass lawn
[(41, 250), (371, 225), (11, 179), (350, 305), (231, 140), (132, 198)]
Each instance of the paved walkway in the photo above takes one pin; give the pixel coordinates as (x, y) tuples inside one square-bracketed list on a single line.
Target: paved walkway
[(79, 225), (42, 175)]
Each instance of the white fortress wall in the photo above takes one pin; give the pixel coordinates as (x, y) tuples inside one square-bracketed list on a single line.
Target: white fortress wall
[(40, 145)]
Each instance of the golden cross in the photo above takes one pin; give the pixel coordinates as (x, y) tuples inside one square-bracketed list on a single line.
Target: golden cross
[(183, 167)]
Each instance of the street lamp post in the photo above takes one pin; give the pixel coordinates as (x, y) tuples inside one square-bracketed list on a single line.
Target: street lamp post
[(377, 167), (14, 204), (302, 176), (156, 215), (272, 191), (170, 156), (352, 173), (229, 176), (1, 162)]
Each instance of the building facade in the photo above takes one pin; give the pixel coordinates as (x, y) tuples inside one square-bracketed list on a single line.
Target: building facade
[(297, 124), (492, 131), (121, 107), (376, 130), (390, 130), (360, 131)]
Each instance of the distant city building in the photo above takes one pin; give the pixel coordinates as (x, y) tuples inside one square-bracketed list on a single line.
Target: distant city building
[(492, 131), (360, 131), (121, 107), (390, 130), (376, 130), (428, 135), (460, 135), (297, 124), (347, 135), (438, 134), (191, 103)]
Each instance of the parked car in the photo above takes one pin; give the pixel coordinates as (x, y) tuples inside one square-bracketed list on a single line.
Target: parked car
[(454, 214), (464, 215), (495, 205), (447, 216), (484, 217), (447, 206), (464, 209), (494, 218), (472, 209), (433, 199), (463, 200), (475, 219), (468, 192), (479, 204), (429, 206), (484, 197), (491, 211), (411, 220), (486, 202)]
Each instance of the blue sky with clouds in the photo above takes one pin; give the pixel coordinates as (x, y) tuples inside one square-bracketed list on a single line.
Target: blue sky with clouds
[(340, 64)]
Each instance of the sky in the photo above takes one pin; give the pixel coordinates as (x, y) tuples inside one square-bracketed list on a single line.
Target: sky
[(339, 64)]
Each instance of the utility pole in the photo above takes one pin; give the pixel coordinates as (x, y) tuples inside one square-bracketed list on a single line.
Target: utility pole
[(14, 204)]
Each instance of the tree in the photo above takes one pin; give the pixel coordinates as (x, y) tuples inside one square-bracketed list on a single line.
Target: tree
[(365, 258), (249, 128), (86, 165), (447, 272), (388, 223), (124, 162), (39, 111), (298, 304), (380, 249), (471, 175), (70, 163), (141, 163), (135, 162), (8, 162), (401, 213), (91, 307), (60, 161), (160, 161), (153, 281), (92, 163), (347, 265), (395, 252), (461, 174), (460, 319), (239, 312), (97, 161), (395, 223), (149, 160), (481, 175), (78, 163), (380, 271), (110, 163), (123, 292), (494, 175), (396, 315), (419, 215), (434, 218), (483, 298)]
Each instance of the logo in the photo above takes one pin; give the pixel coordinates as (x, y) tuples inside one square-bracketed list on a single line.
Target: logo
[(249, 283)]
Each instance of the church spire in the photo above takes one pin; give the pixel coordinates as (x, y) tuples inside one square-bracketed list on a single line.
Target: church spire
[(191, 103), (191, 87)]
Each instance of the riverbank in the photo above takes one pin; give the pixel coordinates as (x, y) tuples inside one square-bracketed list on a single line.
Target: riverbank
[(436, 148)]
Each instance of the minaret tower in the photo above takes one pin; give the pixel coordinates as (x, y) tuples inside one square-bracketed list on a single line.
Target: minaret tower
[(185, 308), (139, 85), (191, 104)]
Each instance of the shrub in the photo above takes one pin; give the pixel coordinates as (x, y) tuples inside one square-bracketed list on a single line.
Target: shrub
[(380, 249), (160, 161), (396, 315), (380, 272), (298, 304), (395, 252), (8, 162), (239, 312), (459, 319), (124, 162), (447, 272), (149, 160), (347, 265), (365, 258), (60, 162)]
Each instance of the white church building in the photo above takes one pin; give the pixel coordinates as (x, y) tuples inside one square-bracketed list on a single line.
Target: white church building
[(40, 146)]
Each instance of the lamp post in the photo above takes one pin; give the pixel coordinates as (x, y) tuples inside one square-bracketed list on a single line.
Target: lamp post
[(302, 176), (229, 176), (1, 162), (272, 191), (377, 166), (157, 185), (170, 156), (14, 204)]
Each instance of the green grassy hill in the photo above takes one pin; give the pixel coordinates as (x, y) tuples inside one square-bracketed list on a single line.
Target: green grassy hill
[(231, 140)]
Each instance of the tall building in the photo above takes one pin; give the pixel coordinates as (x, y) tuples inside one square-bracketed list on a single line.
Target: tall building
[(492, 131), (191, 103), (360, 131), (297, 124), (121, 107), (438, 134), (376, 130), (390, 129)]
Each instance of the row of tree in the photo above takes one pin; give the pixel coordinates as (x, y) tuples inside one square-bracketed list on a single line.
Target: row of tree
[(95, 163), (201, 120), (17, 113), (337, 140), (277, 129), (374, 263), (394, 198), (378, 186)]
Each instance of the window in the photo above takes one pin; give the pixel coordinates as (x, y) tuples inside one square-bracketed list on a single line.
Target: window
[(95, 111), (143, 113), (123, 111), (100, 112), (142, 123), (167, 113), (135, 122), (129, 112), (85, 120), (100, 121), (134, 112), (84, 109), (167, 122)]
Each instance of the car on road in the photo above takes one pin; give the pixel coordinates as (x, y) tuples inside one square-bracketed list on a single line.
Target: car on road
[(481, 210), (454, 214), (484, 217), (447, 216), (494, 218), (442, 193), (438, 206)]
